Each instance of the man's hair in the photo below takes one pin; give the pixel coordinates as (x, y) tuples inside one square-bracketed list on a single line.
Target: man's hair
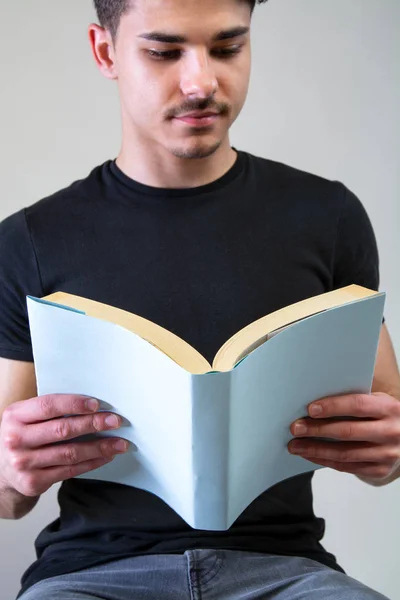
[(109, 12)]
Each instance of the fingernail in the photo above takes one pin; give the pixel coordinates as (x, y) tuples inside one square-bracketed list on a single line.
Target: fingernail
[(112, 421), (300, 429), (121, 446), (315, 410), (92, 404)]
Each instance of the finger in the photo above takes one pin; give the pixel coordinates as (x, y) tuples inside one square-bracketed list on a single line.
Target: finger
[(61, 430), (51, 406), (376, 470), (68, 454), (37, 482), (376, 405), (378, 431), (345, 452), (63, 473)]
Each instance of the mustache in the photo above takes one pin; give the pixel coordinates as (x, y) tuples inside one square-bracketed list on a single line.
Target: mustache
[(200, 104)]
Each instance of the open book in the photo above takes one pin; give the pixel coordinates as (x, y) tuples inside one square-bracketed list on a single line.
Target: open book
[(207, 439)]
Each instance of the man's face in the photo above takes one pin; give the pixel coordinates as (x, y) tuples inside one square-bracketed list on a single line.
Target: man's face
[(160, 81)]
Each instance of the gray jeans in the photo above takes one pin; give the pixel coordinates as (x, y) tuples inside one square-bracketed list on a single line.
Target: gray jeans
[(204, 575)]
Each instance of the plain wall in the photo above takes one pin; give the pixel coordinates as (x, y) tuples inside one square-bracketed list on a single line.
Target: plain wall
[(324, 97)]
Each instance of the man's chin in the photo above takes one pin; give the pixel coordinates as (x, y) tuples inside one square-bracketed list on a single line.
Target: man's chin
[(195, 150)]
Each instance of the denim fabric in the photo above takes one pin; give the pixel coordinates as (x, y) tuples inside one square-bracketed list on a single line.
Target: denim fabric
[(204, 575)]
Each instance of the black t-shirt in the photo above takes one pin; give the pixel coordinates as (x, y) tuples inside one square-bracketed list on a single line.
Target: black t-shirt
[(202, 262)]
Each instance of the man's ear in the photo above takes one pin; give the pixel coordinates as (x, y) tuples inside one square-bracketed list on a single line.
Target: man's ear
[(103, 51)]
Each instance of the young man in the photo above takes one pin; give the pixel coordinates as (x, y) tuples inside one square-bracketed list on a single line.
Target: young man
[(201, 238)]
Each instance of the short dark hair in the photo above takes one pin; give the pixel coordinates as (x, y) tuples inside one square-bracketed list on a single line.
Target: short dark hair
[(109, 12)]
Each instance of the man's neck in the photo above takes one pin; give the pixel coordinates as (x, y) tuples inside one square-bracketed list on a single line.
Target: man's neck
[(173, 172)]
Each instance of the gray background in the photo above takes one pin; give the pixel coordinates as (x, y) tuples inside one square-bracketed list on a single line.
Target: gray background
[(324, 97)]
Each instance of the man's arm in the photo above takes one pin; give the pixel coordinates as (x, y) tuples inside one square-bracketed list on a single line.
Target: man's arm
[(387, 380), (41, 438), (369, 446), (387, 374), (17, 382)]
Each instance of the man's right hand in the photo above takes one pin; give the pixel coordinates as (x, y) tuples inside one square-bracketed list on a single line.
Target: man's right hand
[(35, 446)]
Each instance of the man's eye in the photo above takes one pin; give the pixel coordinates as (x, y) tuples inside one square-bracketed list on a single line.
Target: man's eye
[(158, 55), (226, 52)]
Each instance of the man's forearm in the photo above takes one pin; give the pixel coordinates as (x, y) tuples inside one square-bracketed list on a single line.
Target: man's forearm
[(14, 505), (396, 474)]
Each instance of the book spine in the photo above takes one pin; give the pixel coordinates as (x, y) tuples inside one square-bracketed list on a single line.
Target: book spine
[(210, 449)]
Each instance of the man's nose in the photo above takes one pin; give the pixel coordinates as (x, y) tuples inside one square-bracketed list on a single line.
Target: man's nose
[(198, 77)]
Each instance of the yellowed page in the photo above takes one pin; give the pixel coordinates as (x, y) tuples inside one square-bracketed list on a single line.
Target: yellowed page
[(254, 334), (172, 345)]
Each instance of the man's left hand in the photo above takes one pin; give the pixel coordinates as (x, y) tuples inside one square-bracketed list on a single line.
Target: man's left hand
[(368, 445)]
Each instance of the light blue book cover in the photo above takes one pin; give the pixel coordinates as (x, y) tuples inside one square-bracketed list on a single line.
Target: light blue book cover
[(207, 444)]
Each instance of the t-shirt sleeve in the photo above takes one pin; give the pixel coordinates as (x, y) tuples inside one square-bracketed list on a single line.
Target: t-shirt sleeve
[(19, 277), (356, 258)]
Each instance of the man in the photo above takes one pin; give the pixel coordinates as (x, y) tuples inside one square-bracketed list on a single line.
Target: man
[(201, 238)]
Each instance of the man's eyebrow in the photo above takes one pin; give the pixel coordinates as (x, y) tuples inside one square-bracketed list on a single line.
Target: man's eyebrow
[(166, 38)]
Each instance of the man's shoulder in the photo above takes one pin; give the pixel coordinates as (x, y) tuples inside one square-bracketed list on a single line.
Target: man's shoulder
[(298, 192), (289, 176), (51, 212), (60, 201)]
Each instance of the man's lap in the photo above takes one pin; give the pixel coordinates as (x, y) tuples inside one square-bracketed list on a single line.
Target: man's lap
[(204, 575)]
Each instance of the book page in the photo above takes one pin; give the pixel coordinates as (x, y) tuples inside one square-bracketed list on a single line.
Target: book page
[(228, 355)]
